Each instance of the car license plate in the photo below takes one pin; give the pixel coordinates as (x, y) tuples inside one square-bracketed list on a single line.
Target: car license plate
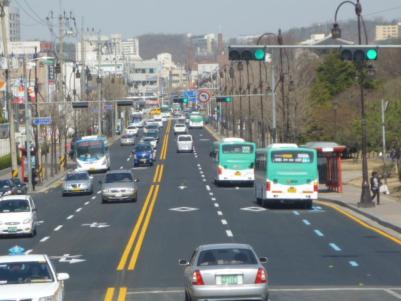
[(12, 229), (144, 160), (76, 190), (237, 173), (92, 169), (228, 280), (292, 190)]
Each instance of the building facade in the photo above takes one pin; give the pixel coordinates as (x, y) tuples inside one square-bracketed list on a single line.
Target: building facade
[(385, 32)]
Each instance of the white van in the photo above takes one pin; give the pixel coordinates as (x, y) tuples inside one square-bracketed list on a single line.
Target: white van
[(185, 143)]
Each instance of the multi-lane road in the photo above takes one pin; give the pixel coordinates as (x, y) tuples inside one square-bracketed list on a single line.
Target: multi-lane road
[(130, 251)]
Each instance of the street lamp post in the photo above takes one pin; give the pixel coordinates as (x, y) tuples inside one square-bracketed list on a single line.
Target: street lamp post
[(365, 199), (241, 125), (234, 122)]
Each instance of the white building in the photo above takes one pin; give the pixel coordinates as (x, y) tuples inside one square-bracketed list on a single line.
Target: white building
[(385, 32), (145, 76)]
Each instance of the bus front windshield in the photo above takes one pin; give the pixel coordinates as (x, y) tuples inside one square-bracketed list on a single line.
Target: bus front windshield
[(90, 150), (237, 149)]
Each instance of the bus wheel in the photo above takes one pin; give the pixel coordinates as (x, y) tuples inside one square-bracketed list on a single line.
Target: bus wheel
[(308, 204), (216, 182)]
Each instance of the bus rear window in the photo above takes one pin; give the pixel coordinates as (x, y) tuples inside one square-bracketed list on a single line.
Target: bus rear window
[(284, 156), (237, 149)]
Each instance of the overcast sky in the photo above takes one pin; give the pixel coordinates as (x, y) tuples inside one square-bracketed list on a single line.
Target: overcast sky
[(232, 17)]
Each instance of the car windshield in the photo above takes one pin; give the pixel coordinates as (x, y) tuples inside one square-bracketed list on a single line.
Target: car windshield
[(152, 126), (185, 138), (25, 272), (143, 148), (17, 181), (232, 256), (8, 206), (4, 184), (119, 177), (77, 176), (152, 135)]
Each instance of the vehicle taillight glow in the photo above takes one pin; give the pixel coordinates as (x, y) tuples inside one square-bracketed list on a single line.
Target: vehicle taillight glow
[(315, 187), (268, 186), (261, 276), (220, 170), (197, 278)]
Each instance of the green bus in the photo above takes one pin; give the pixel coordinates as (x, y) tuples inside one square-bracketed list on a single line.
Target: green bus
[(286, 173), (195, 120), (235, 160)]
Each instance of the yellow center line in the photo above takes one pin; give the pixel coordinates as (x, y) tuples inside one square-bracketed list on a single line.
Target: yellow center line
[(141, 238), (134, 234), (163, 147), (361, 222), (160, 173), (156, 173), (109, 294), (122, 294)]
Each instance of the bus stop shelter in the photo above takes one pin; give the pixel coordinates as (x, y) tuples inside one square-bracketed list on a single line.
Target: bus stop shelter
[(329, 163)]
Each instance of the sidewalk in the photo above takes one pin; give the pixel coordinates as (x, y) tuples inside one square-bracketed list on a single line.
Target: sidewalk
[(387, 214)]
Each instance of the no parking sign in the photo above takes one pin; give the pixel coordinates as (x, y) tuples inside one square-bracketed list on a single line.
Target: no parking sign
[(204, 96)]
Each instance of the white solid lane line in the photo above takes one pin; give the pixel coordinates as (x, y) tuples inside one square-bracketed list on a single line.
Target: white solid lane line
[(70, 217), (44, 239), (229, 233), (79, 209), (224, 222), (58, 228)]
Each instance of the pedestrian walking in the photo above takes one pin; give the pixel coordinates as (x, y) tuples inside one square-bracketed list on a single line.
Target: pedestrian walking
[(375, 184), (33, 175)]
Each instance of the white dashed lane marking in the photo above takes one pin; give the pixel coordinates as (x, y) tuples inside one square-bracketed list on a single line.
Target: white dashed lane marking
[(87, 203), (306, 222), (216, 205), (207, 187), (99, 192), (229, 233), (335, 247), (219, 213), (44, 239), (78, 210), (58, 228), (224, 222), (354, 264), (70, 217), (94, 197), (318, 233)]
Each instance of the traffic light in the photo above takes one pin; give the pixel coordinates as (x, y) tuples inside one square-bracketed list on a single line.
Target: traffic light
[(79, 104), (183, 100), (246, 53), (226, 99), (359, 55), (125, 103)]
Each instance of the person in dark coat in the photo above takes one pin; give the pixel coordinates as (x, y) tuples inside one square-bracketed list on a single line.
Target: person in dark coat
[(375, 184)]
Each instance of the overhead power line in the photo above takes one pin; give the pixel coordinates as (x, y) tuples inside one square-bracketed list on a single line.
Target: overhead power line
[(383, 11), (36, 19)]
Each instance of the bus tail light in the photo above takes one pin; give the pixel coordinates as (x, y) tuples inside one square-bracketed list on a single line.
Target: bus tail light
[(315, 187), (268, 186), (220, 170)]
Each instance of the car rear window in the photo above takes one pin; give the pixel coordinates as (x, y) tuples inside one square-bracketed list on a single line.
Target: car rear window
[(119, 177), (185, 138), (232, 256), (77, 176)]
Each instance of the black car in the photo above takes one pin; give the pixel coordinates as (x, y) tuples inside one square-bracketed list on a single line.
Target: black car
[(7, 187), (19, 186)]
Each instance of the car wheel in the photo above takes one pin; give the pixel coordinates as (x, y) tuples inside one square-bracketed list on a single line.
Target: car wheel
[(104, 201), (33, 233), (63, 194)]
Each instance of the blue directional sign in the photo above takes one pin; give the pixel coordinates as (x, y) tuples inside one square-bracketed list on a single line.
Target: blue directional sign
[(42, 121), (192, 95)]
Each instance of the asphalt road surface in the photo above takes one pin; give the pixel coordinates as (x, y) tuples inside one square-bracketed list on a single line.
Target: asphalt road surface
[(130, 251)]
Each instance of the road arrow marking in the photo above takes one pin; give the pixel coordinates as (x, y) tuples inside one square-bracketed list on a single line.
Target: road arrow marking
[(96, 225), (67, 258), (183, 209)]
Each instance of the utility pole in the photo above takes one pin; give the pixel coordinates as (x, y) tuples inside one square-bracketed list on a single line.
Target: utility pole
[(36, 90), (10, 111), (83, 69), (98, 81), (250, 138), (384, 106), (282, 82), (28, 128)]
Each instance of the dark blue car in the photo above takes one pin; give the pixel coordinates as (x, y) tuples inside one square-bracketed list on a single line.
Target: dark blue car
[(143, 154)]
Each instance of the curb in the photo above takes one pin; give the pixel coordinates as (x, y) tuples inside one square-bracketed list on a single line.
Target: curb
[(50, 183), (367, 215)]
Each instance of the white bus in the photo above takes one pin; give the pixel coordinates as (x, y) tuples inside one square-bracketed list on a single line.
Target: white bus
[(92, 153)]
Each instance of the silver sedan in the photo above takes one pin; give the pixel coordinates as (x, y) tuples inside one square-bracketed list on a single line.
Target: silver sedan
[(220, 272), (78, 182), (127, 140), (119, 185)]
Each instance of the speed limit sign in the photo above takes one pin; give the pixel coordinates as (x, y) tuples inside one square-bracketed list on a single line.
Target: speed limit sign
[(204, 96)]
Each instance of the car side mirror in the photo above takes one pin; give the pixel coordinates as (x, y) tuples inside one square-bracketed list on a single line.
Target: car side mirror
[(63, 276), (183, 262), (263, 260), (136, 180)]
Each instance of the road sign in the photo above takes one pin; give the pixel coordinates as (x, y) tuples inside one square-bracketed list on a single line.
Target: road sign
[(204, 96), (191, 95), (42, 120)]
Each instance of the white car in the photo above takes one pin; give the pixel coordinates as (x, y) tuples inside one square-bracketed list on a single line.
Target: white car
[(137, 123), (18, 216), (30, 277), (185, 143), (180, 128), (131, 130), (158, 120)]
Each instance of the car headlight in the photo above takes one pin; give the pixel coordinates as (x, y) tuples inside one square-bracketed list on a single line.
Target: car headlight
[(8, 192), (49, 298), (130, 190), (27, 221), (105, 190)]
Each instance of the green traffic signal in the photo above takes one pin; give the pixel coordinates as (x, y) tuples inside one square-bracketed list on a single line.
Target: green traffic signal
[(371, 54), (185, 100), (260, 54)]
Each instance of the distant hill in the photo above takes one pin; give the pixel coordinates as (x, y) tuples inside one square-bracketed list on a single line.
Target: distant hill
[(150, 45)]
